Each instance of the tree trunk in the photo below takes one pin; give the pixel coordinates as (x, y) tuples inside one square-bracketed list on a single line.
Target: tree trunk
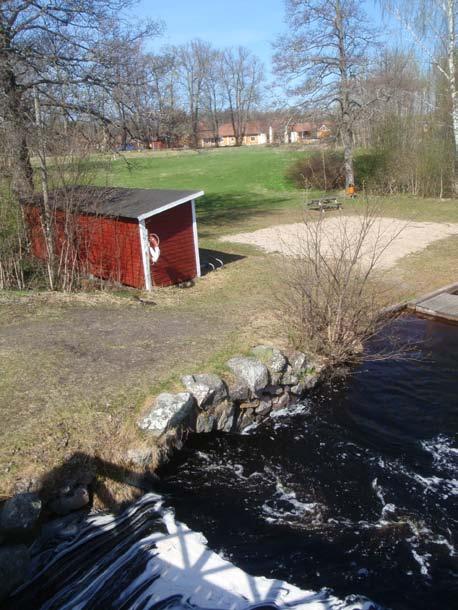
[(46, 219), (452, 83), (345, 108), (14, 114), (195, 127), (347, 140)]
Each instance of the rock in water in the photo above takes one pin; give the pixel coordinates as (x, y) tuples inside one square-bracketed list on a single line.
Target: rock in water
[(20, 513), (250, 371), (169, 411)]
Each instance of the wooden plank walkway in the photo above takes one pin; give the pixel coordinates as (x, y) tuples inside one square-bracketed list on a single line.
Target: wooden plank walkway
[(442, 304)]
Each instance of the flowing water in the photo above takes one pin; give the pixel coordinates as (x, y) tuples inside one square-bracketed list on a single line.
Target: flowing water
[(355, 490)]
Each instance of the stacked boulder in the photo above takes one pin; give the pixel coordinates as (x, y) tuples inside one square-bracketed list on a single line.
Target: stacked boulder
[(265, 381)]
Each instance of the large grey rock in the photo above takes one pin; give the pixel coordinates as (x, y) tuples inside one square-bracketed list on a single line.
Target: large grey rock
[(250, 371), (70, 500), (289, 377), (14, 563), (299, 362), (281, 402), (298, 389), (20, 513), (265, 407), (225, 414), (169, 411), (208, 389), (272, 357), (246, 418), (239, 391)]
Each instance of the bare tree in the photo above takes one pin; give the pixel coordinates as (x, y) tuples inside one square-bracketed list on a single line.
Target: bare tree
[(194, 60), (214, 94), (168, 120), (395, 86), (45, 46), (242, 75), (331, 297), (323, 56), (432, 25)]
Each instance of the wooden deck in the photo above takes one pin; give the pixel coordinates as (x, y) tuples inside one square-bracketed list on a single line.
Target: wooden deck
[(442, 304)]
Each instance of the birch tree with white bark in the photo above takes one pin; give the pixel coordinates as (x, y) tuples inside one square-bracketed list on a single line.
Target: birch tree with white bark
[(432, 26)]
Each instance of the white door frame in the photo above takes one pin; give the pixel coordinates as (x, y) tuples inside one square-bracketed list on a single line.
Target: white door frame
[(196, 238), (145, 254)]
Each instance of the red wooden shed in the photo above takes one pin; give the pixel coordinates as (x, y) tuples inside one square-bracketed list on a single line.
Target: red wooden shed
[(113, 228)]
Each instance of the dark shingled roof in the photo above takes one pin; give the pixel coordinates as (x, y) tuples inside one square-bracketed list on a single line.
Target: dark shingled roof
[(118, 202)]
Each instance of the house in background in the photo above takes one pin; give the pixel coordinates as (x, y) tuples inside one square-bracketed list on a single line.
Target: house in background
[(110, 230), (308, 133), (266, 132), (302, 132), (256, 132)]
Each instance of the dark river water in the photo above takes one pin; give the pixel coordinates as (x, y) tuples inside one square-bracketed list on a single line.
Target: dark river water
[(355, 489)]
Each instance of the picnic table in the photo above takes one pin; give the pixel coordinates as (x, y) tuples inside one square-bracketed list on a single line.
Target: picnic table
[(325, 203)]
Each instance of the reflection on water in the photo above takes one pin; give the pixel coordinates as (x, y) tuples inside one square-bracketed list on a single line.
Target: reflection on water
[(355, 489)]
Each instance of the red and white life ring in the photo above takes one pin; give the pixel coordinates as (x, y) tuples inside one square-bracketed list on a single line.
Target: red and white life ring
[(154, 249)]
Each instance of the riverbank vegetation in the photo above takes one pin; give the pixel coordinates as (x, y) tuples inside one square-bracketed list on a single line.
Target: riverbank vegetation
[(333, 291)]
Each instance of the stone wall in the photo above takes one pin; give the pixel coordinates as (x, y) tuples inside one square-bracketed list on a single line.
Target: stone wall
[(265, 381)]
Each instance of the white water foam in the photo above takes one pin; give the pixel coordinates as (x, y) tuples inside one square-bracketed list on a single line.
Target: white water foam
[(178, 572), (444, 454), (285, 507)]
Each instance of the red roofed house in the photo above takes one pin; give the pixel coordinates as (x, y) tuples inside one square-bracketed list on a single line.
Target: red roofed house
[(255, 133), (307, 132), (112, 230)]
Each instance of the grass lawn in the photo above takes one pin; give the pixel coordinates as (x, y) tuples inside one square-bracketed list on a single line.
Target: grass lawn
[(76, 370)]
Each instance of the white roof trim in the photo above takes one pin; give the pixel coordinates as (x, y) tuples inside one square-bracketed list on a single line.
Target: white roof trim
[(170, 205)]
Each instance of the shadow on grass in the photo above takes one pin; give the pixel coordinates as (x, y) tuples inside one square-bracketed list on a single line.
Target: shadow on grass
[(227, 209), (140, 558), (216, 258)]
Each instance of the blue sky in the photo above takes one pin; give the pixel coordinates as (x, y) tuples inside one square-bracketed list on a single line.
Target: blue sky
[(251, 23)]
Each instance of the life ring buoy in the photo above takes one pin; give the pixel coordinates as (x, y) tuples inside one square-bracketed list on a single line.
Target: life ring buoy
[(154, 249)]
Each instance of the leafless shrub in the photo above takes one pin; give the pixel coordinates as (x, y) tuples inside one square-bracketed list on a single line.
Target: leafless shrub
[(71, 174), (323, 170), (330, 299), (13, 241)]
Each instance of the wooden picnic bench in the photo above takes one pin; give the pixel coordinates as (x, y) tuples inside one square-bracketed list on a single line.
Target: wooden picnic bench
[(325, 203)]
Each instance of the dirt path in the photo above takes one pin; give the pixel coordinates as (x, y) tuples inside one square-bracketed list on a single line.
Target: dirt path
[(407, 237), (69, 373)]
